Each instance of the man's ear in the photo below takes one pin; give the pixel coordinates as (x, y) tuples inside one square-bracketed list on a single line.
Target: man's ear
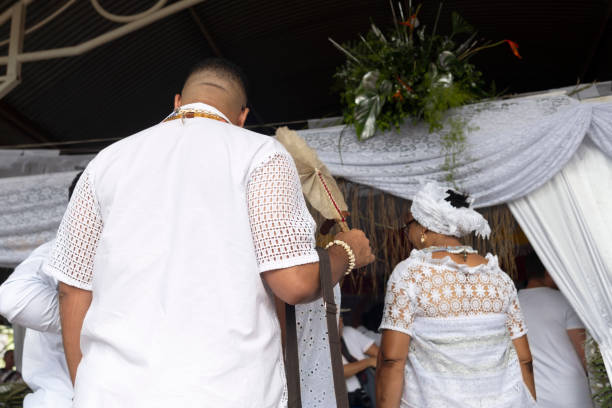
[(243, 117), (177, 101)]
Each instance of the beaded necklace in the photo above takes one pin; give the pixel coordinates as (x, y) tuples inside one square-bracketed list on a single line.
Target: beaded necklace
[(194, 113), (462, 249)]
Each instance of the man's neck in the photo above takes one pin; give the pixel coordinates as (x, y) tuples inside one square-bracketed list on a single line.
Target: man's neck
[(536, 283)]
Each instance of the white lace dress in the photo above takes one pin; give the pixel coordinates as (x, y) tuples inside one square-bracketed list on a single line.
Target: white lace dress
[(461, 321)]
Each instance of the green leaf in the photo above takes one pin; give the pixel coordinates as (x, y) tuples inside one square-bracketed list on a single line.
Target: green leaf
[(460, 25)]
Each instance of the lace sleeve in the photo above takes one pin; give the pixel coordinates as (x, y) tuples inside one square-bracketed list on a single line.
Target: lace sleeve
[(282, 228), (72, 257), (400, 302), (515, 321)]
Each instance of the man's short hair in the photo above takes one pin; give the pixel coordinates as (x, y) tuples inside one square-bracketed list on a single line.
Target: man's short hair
[(224, 69), (535, 268), (75, 180)]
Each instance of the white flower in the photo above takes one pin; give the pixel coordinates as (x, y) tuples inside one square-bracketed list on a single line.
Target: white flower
[(447, 291), (435, 295), (458, 290), (480, 290)]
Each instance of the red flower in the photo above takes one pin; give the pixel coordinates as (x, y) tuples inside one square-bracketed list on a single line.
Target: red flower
[(514, 46), (412, 22), (408, 88), (398, 95)]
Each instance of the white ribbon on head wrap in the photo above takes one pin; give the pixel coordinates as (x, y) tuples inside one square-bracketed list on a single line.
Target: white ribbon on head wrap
[(432, 211)]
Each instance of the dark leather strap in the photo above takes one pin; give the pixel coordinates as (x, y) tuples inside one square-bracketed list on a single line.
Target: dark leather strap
[(331, 310), (292, 365), (291, 352)]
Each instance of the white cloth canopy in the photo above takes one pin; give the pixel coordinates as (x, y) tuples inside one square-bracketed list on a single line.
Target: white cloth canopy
[(568, 221), (514, 147)]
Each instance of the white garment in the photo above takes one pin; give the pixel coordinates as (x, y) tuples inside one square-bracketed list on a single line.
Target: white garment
[(316, 378), (29, 298), (461, 321), (568, 223), (369, 333), (559, 377), (356, 344), (170, 229)]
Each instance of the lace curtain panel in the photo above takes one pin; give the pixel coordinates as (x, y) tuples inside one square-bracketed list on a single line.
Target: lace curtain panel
[(513, 147), (568, 223)]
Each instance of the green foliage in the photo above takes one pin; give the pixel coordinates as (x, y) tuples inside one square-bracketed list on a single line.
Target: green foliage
[(12, 394), (598, 377), (424, 74)]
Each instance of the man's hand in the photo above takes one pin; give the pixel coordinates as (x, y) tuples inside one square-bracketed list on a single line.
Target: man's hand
[(360, 245)]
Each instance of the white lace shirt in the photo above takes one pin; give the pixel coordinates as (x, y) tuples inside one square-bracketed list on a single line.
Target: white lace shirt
[(461, 321), (170, 229)]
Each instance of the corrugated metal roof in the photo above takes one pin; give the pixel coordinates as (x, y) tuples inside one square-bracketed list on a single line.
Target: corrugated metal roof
[(128, 84)]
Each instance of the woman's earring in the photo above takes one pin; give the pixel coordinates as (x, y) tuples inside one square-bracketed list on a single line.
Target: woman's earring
[(423, 237)]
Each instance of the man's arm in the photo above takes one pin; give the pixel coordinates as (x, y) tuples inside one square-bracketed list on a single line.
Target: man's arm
[(372, 351), (521, 345), (301, 283), (578, 337), (74, 303), (392, 356)]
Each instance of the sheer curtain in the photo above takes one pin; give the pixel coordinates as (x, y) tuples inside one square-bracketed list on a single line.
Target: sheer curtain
[(569, 223)]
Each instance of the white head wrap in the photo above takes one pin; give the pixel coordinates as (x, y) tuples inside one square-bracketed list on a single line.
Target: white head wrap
[(432, 211)]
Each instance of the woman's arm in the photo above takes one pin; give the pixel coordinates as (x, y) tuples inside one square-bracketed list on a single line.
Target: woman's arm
[(390, 368), (521, 346)]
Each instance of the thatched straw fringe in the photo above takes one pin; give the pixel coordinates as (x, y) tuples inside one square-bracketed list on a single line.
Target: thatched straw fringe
[(381, 216)]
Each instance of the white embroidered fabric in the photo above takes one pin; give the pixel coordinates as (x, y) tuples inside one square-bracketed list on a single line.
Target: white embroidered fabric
[(461, 321), (72, 258), (283, 230), (316, 378), (513, 147)]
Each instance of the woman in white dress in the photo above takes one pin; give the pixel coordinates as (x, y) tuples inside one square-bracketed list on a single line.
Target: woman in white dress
[(453, 332)]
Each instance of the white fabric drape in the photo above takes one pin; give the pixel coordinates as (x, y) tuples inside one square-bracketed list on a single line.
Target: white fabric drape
[(568, 222), (31, 208), (513, 147)]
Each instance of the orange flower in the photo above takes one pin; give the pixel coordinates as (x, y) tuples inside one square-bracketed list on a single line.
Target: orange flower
[(398, 95), (408, 88), (412, 22), (514, 46)]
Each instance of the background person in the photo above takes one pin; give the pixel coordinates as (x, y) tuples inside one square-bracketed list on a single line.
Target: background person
[(452, 321), (556, 338), (8, 374), (29, 298), (359, 354)]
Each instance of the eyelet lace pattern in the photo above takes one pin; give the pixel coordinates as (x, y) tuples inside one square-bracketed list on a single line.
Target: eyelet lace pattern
[(440, 288), (283, 230), (72, 258)]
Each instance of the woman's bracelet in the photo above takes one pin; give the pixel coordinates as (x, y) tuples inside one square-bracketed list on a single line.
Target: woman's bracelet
[(349, 253)]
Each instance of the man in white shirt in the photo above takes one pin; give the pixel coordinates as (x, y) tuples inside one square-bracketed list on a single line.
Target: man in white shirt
[(556, 339), (177, 238), (29, 298)]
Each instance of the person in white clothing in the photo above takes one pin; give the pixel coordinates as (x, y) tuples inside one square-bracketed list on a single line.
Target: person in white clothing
[(556, 337), (29, 298), (453, 332), (178, 237), (359, 353), (316, 378)]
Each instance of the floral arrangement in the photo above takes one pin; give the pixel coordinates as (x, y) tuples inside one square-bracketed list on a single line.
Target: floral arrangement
[(410, 72)]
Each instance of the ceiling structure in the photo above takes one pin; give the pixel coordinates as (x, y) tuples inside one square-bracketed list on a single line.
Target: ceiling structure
[(128, 84)]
